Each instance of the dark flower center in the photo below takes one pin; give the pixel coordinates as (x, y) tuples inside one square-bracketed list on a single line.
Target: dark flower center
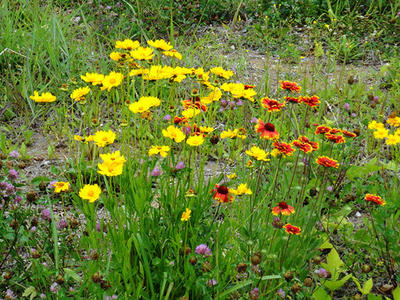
[(269, 127), (223, 190), (283, 205)]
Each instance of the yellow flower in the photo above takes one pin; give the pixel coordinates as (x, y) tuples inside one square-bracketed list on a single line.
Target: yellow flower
[(241, 190), (115, 157), (174, 133), (43, 98), (215, 95), (394, 121), (112, 80), (238, 90), (127, 44), (151, 101), (110, 168), (78, 138), (162, 150), (206, 129), (195, 140), (232, 134), (375, 125), (231, 176), (89, 138), (381, 133), (392, 139), (190, 113), (142, 53), (93, 78), (257, 153), (104, 138), (160, 44), (186, 215), (90, 192), (61, 187), (139, 107), (79, 94), (221, 72), (173, 53), (116, 56), (140, 71), (158, 72)]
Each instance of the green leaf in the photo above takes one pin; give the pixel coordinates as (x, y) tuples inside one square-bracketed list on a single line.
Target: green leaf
[(334, 285), (367, 287), (30, 292), (334, 263), (396, 293), (326, 245), (374, 297), (321, 294), (72, 274)]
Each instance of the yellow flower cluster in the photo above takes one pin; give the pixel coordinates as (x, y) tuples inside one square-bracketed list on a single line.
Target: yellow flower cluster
[(232, 134), (43, 98), (80, 93), (174, 133), (162, 150), (190, 113), (90, 192), (241, 190), (380, 132), (144, 104), (112, 165), (112, 80), (238, 90), (195, 140), (102, 138), (221, 72), (257, 153)]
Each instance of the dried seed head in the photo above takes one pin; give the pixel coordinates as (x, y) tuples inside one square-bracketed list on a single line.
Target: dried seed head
[(308, 282), (296, 287), (256, 259), (288, 275), (97, 278), (59, 279), (241, 267)]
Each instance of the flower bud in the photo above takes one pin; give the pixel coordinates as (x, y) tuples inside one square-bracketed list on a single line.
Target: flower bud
[(296, 287), (308, 282), (97, 278), (256, 259), (288, 275), (241, 267)]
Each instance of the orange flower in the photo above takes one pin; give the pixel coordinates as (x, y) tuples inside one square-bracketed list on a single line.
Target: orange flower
[(222, 194), (283, 208), (349, 133), (305, 139), (312, 101), (334, 130), (338, 139), (194, 103), (290, 229), (267, 130), (179, 120), (323, 129), (271, 104), (375, 199), (327, 162), (291, 86), (293, 99), (303, 146), (284, 148)]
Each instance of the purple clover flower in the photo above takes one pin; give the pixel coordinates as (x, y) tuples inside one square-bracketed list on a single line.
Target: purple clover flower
[(202, 249)]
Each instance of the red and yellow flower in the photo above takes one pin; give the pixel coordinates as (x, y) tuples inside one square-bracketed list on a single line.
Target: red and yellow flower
[(312, 101), (272, 104), (290, 229), (327, 162), (291, 86), (267, 130), (222, 194), (284, 148), (375, 199), (283, 208)]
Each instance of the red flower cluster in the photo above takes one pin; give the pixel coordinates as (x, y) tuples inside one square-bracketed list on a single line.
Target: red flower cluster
[(222, 194), (194, 103), (304, 139), (338, 139), (284, 148), (293, 99), (180, 120), (271, 104), (291, 86), (375, 199), (312, 101), (349, 133), (267, 130), (327, 162), (290, 229), (323, 129)]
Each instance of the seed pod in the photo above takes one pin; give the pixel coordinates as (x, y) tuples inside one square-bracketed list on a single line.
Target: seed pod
[(14, 224), (97, 278), (288, 275), (32, 197), (256, 259), (60, 279), (366, 268), (241, 267), (214, 139), (317, 260), (105, 284), (193, 260), (206, 267), (308, 282), (296, 287)]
